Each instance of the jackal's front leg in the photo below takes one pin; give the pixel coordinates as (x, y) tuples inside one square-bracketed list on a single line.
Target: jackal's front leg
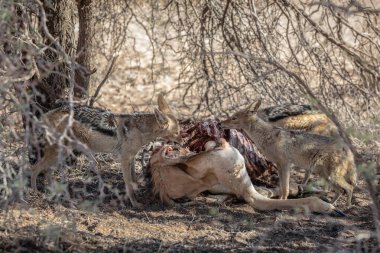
[(133, 172), (127, 175), (284, 176)]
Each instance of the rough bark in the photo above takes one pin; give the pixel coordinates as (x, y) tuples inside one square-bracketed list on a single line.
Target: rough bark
[(60, 23), (84, 47)]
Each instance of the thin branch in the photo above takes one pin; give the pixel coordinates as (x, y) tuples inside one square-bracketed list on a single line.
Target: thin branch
[(96, 94)]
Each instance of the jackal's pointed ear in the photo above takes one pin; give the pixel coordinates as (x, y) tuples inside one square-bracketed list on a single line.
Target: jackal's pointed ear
[(248, 109), (258, 103), (163, 105), (161, 118), (252, 109)]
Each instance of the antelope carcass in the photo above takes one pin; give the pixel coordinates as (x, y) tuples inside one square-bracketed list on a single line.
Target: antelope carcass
[(177, 172)]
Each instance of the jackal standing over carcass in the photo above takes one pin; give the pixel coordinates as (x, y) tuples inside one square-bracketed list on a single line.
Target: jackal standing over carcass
[(329, 157), (104, 132)]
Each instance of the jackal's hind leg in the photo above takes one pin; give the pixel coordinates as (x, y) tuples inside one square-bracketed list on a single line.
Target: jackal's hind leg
[(49, 159), (338, 192), (301, 187), (339, 184), (307, 176)]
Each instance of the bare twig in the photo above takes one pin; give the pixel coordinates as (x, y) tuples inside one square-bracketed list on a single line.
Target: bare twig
[(109, 71)]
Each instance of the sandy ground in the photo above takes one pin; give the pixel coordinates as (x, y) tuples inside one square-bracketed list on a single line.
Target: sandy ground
[(86, 221)]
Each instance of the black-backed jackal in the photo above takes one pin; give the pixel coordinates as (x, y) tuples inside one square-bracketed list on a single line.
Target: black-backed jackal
[(101, 131), (299, 117), (330, 157)]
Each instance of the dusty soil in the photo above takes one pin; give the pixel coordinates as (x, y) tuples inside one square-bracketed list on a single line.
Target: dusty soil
[(83, 220)]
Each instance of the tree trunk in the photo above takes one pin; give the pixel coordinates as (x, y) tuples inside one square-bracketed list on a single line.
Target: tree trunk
[(60, 23), (84, 47), (54, 71)]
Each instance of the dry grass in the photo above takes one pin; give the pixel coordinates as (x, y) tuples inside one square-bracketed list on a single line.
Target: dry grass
[(86, 221)]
